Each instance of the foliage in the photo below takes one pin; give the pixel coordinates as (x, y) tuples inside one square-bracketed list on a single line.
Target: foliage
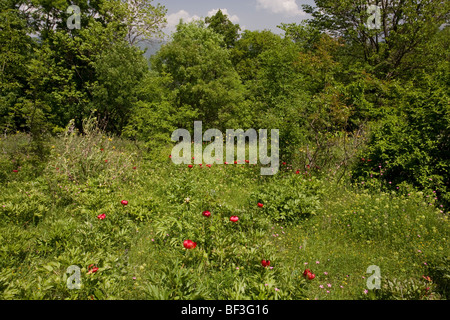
[(222, 25), (201, 73), (86, 122), (289, 200)]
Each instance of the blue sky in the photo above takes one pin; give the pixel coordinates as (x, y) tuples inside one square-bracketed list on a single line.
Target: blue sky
[(249, 14)]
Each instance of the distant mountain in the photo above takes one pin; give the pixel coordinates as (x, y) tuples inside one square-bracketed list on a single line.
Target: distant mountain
[(152, 47)]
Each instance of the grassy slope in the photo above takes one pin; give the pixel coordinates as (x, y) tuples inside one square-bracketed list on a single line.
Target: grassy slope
[(50, 223)]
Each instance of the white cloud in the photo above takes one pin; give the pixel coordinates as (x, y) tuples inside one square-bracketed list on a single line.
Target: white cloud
[(287, 7), (174, 19), (233, 18)]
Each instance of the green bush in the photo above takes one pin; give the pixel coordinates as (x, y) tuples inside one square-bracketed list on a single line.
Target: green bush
[(289, 199)]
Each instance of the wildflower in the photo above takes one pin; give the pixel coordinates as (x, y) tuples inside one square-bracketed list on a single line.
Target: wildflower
[(260, 205), (206, 213), (234, 219), (265, 263), (124, 202), (101, 216), (189, 244), (93, 270)]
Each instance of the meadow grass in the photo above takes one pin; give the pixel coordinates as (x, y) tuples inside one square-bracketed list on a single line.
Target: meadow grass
[(49, 221)]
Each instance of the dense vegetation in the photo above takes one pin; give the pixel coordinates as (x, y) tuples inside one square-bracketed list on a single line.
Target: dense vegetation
[(86, 122)]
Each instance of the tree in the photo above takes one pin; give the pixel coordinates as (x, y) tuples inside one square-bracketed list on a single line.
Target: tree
[(61, 73), (247, 50), (303, 34), (406, 27), (144, 22), (202, 73), (15, 52), (223, 26)]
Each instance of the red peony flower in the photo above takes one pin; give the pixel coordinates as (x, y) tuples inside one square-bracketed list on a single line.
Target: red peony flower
[(101, 216), (298, 172), (260, 205), (427, 278), (284, 163), (190, 166), (93, 270), (265, 263), (170, 156), (134, 168), (226, 162), (206, 213), (106, 161), (15, 171), (124, 202), (208, 165), (307, 274), (247, 161), (234, 219), (189, 244)]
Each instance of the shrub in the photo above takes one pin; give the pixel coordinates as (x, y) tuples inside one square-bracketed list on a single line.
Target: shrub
[(289, 199)]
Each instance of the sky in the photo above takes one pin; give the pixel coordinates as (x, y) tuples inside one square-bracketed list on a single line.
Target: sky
[(249, 14)]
